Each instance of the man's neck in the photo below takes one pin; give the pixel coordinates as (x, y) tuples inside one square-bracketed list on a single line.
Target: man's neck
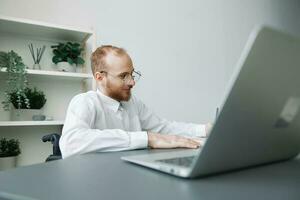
[(102, 91)]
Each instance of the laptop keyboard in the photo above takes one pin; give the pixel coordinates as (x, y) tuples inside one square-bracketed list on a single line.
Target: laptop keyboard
[(181, 161)]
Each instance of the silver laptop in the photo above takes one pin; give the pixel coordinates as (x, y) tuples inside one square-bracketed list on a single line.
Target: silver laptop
[(259, 121)]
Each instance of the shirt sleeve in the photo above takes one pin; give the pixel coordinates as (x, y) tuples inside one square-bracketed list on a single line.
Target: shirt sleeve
[(78, 137), (151, 122)]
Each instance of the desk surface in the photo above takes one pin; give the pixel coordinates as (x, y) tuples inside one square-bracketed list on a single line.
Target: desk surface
[(105, 176)]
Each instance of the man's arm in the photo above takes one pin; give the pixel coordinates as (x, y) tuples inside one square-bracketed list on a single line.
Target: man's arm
[(166, 134), (153, 123), (167, 141)]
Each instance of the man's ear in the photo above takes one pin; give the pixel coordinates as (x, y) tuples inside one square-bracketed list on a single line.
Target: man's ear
[(99, 76)]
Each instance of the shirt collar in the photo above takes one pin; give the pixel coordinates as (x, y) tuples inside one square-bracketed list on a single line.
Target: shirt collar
[(109, 102)]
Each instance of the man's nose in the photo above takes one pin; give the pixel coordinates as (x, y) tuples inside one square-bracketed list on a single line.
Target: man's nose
[(131, 82)]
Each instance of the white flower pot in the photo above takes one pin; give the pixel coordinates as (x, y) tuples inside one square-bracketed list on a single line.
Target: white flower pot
[(5, 115), (8, 162), (79, 68), (66, 67), (24, 114)]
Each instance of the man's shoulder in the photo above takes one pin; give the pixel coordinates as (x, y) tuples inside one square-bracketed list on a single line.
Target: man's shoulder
[(85, 98)]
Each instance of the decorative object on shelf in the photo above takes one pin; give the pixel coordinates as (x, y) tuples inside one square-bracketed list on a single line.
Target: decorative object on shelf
[(66, 55), (38, 117), (9, 150), (16, 78), (38, 56), (36, 99)]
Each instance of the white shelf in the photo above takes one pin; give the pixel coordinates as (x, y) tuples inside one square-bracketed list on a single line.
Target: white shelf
[(42, 74), (31, 123), (36, 29)]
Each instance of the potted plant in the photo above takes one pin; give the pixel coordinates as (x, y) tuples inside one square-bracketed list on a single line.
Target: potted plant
[(16, 80), (21, 111), (9, 150), (66, 55)]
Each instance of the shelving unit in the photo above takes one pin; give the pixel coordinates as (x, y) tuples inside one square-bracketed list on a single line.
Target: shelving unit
[(59, 87)]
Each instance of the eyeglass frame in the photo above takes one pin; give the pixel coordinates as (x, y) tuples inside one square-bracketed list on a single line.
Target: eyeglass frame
[(126, 78)]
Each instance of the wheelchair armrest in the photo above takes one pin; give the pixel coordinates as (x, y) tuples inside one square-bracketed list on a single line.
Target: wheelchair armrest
[(54, 139)]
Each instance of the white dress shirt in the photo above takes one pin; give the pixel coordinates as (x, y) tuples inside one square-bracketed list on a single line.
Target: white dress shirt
[(95, 122)]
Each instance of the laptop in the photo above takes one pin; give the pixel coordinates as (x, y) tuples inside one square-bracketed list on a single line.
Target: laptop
[(259, 120)]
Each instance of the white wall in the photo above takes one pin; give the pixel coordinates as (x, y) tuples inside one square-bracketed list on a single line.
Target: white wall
[(186, 50)]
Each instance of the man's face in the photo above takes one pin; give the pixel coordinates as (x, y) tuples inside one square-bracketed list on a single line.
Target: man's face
[(113, 82)]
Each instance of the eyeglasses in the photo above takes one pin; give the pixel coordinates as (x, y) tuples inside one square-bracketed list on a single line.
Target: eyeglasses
[(126, 77)]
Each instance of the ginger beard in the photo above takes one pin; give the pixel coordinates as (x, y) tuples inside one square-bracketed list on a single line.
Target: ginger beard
[(118, 92)]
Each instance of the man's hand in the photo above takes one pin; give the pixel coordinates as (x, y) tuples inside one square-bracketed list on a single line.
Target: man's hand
[(156, 140)]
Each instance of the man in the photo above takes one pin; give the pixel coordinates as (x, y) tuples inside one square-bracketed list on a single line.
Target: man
[(111, 119)]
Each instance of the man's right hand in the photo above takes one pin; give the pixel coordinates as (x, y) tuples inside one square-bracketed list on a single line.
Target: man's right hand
[(161, 141)]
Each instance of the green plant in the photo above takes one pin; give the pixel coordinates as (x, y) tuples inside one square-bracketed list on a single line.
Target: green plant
[(36, 99), (16, 81), (67, 52), (9, 147)]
